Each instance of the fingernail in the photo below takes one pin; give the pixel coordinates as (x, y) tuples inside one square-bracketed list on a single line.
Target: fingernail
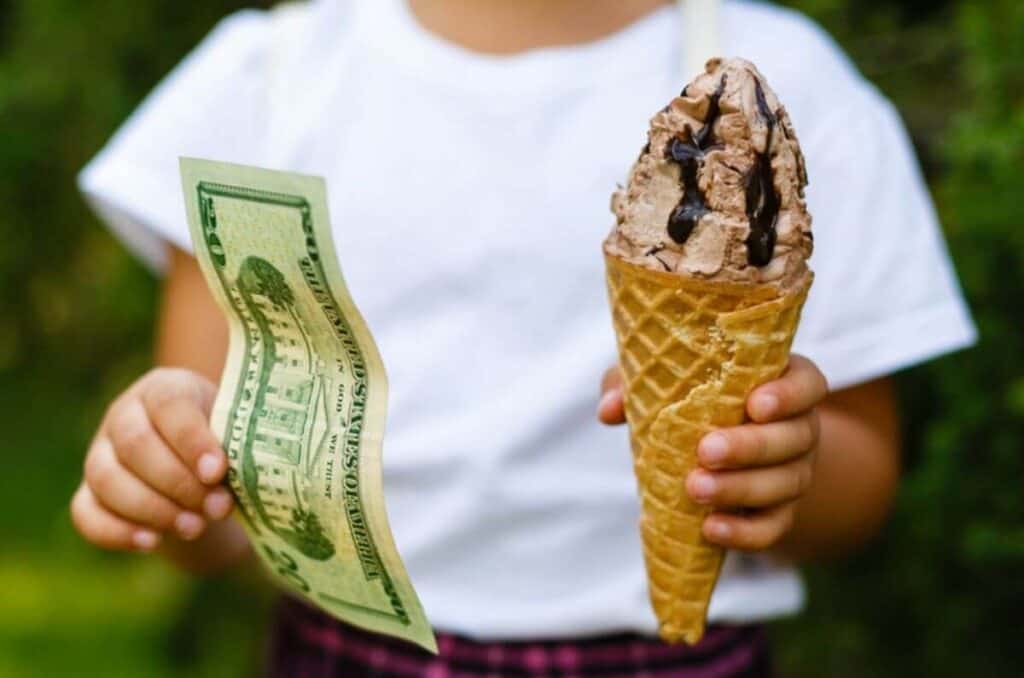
[(713, 449), (189, 525), (702, 486), (209, 468), (607, 399), (145, 540), (766, 404), (217, 504), (719, 529)]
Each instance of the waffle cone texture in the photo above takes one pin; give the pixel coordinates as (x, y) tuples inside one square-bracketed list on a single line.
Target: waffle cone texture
[(691, 352)]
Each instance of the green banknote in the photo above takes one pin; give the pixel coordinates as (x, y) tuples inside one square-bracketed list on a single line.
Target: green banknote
[(303, 398)]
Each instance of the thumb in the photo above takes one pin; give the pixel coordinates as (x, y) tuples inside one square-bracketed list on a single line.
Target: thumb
[(611, 409)]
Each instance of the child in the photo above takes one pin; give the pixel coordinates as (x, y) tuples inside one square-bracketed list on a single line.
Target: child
[(470, 149)]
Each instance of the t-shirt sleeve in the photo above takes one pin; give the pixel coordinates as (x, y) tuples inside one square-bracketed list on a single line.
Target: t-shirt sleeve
[(885, 295), (210, 106)]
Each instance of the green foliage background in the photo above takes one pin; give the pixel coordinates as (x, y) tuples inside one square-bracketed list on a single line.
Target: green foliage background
[(940, 594)]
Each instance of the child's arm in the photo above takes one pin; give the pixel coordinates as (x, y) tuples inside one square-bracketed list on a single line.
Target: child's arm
[(153, 471), (811, 475), (856, 474)]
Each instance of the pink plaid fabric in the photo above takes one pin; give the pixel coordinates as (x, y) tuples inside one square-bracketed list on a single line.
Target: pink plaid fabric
[(308, 644)]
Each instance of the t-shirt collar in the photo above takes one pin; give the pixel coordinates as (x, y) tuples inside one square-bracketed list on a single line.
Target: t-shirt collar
[(393, 30)]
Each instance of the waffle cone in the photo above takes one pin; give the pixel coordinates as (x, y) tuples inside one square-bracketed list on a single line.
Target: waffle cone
[(691, 353)]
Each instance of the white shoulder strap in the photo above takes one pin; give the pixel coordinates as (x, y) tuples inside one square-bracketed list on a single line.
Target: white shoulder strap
[(701, 37)]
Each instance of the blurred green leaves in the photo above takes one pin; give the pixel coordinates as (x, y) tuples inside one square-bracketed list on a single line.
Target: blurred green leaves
[(76, 316)]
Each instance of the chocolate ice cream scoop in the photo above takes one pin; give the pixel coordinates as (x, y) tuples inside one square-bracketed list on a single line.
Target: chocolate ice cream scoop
[(718, 191)]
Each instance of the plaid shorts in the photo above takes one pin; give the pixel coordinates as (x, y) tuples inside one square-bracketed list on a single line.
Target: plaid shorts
[(308, 644)]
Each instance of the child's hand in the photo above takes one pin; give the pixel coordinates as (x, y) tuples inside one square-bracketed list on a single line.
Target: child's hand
[(752, 474), (154, 466)]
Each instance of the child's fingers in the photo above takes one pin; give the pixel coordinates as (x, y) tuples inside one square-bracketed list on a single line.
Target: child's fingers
[(131, 499), (752, 531), (612, 379), (611, 408), (179, 416), (801, 387), (145, 454), (104, 529), (756, 445), (218, 504), (755, 488)]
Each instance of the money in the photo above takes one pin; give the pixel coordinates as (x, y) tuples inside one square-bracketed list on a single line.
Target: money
[(303, 398)]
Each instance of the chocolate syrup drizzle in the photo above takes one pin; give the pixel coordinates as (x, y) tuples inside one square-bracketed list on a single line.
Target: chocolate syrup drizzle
[(762, 200), (689, 154)]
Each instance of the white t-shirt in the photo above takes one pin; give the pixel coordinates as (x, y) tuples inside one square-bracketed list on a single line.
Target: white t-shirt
[(470, 197)]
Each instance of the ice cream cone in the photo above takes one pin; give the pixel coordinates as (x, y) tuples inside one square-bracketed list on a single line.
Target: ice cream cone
[(691, 352)]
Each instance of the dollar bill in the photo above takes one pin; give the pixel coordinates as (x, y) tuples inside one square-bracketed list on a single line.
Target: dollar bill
[(303, 398)]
